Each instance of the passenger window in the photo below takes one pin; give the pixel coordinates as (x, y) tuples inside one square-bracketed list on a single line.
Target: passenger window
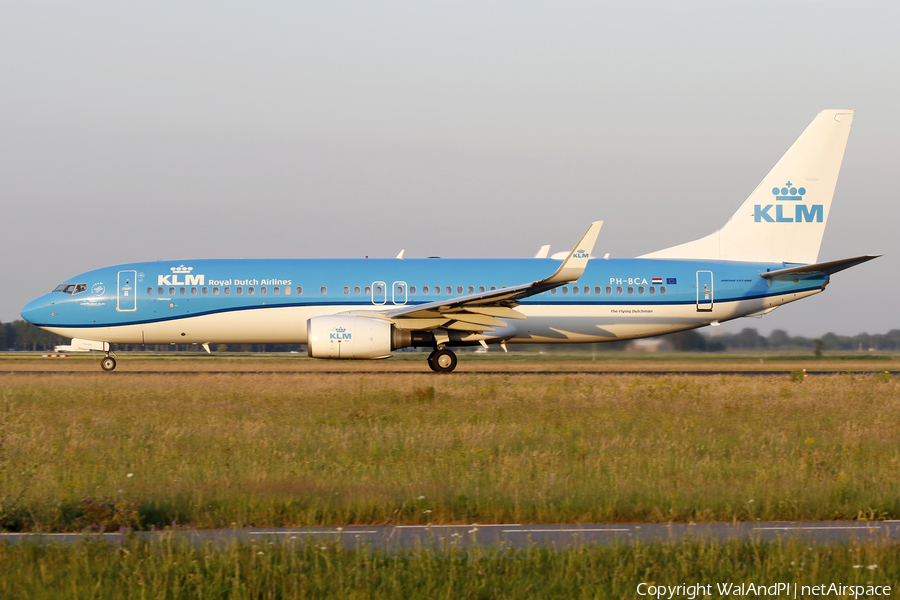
[(399, 291), (553, 291), (471, 289), (652, 290), (347, 290), (449, 290), (299, 290), (587, 289), (251, 290), (276, 290), (493, 288), (480, 288), (598, 290), (287, 291), (263, 290), (412, 289), (149, 291), (574, 289), (608, 290), (171, 291), (356, 290), (215, 290), (565, 289), (619, 289), (193, 291), (227, 290), (640, 289), (368, 290), (324, 290), (662, 289), (459, 289), (630, 289), (425, 289), (378, 290), (160, 291), (238, 290), (204, 291)]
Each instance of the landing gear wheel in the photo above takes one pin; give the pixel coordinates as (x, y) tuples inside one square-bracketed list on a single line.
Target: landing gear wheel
[(108, 363), (431, 361), (443, 361)]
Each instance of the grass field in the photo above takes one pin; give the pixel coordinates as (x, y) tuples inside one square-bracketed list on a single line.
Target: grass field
[(522, 359), (171, 570), (90, 450)]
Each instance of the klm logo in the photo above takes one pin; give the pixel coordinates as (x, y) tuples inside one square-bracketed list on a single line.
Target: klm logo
[(181, 271), (339, 334), (802, 213), (580, 254)]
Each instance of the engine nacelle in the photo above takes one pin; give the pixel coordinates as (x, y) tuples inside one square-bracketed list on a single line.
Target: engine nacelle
[(351, 337)]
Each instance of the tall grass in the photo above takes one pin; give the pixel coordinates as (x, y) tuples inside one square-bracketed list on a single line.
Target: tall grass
[(306, 449), (293, 570)]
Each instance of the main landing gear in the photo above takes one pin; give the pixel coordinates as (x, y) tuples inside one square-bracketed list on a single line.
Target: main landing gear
[(108, 363), (442, 360)]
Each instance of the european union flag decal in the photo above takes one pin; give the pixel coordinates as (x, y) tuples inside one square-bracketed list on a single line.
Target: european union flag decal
[(670, 281)]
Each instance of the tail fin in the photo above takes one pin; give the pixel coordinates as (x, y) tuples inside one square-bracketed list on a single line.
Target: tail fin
[(784, 218)]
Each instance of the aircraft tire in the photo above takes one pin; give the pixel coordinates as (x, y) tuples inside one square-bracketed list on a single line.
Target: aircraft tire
[(444, 361), (108, 363), (431, 361)]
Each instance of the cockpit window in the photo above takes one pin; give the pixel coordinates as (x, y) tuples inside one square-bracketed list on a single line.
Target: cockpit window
[(71, 288)]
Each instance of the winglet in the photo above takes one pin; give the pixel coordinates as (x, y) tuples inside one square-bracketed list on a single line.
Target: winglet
[(543, 252), (574, 264)]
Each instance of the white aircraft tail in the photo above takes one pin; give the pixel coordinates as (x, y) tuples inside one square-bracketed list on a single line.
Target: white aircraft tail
[(784, 218)]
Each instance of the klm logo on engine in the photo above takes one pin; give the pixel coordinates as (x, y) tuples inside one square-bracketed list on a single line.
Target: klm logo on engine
[(340, 333), (801, 213), (178, 271)]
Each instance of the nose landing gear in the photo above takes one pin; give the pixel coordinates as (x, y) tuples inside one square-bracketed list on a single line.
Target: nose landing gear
[(442, 360), (108, 363)]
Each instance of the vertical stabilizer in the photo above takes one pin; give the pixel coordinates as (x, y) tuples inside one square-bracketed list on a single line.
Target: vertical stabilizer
[(784, 218)]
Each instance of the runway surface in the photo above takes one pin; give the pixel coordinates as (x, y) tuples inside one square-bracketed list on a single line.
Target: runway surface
[(508, 535), (455, 373)]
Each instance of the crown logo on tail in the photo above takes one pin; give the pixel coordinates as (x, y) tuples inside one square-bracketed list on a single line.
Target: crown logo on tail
[(788, 193)]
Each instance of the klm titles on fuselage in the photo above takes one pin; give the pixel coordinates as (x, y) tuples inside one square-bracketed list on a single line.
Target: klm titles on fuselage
[(201, 280), (802, 213)]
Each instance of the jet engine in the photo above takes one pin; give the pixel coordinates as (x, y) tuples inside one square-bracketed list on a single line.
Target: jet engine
[(354, 337)]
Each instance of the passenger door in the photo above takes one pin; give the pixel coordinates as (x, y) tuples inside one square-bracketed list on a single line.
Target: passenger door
[(704, 291)]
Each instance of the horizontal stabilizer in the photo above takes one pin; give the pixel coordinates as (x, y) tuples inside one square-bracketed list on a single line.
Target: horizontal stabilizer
[(826, 268)]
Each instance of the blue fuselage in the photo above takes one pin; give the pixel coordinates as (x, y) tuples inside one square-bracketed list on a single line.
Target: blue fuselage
[(269, 300)]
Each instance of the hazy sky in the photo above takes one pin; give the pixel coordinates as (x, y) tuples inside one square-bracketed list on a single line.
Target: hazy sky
[(169, 130)]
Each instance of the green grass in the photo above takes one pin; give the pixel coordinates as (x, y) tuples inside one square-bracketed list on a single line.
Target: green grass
[(90, 450), (171, 569)]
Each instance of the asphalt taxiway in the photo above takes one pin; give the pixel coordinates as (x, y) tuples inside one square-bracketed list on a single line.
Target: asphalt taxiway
[(504, 535)]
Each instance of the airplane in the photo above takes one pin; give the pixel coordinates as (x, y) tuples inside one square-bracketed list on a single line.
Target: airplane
[(763, 257)]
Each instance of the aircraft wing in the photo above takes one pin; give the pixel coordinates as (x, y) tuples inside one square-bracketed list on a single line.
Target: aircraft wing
[(483, 311), (826, 268)]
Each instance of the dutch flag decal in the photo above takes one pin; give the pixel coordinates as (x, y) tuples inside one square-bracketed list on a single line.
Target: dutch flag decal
[(657, 280)]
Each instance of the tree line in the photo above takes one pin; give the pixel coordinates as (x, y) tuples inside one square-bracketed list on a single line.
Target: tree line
[(22, 335), (750, 339)]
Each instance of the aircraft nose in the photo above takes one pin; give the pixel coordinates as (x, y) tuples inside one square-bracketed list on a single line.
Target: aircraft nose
[(37, 312)]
